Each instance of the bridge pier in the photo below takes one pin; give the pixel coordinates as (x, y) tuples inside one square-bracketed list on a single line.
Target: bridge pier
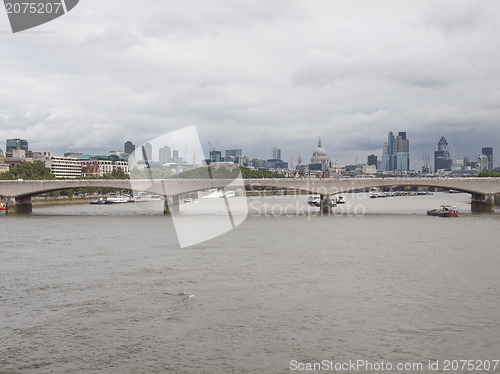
[(23, 205), (326, 204), (171, 205), (482, 203)]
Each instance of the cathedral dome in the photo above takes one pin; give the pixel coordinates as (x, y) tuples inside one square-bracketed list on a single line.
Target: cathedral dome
[(319, 155)]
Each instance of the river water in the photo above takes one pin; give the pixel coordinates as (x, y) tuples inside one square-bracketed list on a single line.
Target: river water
[(87, 289)]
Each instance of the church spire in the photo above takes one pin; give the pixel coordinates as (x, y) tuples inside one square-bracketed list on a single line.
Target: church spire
[(319, 143)]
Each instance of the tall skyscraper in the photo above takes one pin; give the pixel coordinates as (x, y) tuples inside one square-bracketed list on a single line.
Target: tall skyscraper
[(12, 144), (442, 157), (165, 154), (147, 152), (129, 148), (276, 154), (402, 152), (389, 156), (488, 152)]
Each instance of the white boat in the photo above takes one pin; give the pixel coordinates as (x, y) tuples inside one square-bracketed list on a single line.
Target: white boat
[(116, 200), (340, 199), (229, 194), (213, 193), (189, 200), (153, 198), (314, 200)]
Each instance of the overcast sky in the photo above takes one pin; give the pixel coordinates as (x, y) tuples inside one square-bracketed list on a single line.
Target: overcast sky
[(257, 74)]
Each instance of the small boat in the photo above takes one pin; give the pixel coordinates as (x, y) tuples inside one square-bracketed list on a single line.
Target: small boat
[(314, 200), (210, 194), (444, 211), (340, 199), (229, 194), (189, 200), (3, 206), (116, 200), (99, 200)]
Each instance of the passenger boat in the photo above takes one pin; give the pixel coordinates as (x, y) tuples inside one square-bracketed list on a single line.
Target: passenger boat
[(444, 211), (116, 200)]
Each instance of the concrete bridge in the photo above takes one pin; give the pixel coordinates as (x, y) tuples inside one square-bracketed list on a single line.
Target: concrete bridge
[(482, 190)]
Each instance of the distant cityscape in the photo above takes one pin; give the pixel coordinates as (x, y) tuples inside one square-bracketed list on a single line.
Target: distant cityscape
[(394, 161)]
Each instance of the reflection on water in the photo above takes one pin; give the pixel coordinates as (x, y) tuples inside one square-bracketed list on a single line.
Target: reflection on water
[(97, 288)]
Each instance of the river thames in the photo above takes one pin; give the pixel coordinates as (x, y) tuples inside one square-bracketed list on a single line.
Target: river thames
[(87, 289)]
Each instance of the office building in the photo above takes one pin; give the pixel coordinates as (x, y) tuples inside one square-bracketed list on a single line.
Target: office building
[(165, 154), (129, 147), (482, 162), (402, 149), (276, 154), (488, 152), (442, 157), (388, 155), (395, 153), (12, 144), (147, 152), (233, 153), (98, 165), (277, 164), (372, 160), (175, 157), (259, 163), (216, 156), (62, 167)]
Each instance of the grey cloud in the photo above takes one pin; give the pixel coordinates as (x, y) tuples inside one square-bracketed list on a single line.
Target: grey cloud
[(256, 74)]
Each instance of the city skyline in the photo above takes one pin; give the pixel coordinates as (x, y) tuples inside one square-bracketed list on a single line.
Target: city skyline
[(386, 163), (318, 69)]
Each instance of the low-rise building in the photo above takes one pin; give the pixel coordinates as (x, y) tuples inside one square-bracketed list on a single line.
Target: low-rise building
[(62, 167), (98, 165)]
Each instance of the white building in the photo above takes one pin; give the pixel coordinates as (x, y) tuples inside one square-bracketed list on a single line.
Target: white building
[(482, 162), (4, 167), (63, 167)]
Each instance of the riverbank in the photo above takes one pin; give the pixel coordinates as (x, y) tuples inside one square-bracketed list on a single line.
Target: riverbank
[(60, 201)]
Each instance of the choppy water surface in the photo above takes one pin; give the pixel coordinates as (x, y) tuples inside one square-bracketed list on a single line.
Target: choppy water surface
[(107, 289)]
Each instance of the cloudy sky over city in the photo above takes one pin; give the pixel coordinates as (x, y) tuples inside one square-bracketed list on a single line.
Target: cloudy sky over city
[(257, 74)]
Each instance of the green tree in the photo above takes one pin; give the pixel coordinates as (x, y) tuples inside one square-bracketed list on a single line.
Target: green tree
[(488, 174), (28, 171), (117, 174)]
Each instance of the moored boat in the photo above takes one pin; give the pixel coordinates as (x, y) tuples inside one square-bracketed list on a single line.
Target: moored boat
[(314, 200), (116, 200), (99, 200), (340, 199)]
